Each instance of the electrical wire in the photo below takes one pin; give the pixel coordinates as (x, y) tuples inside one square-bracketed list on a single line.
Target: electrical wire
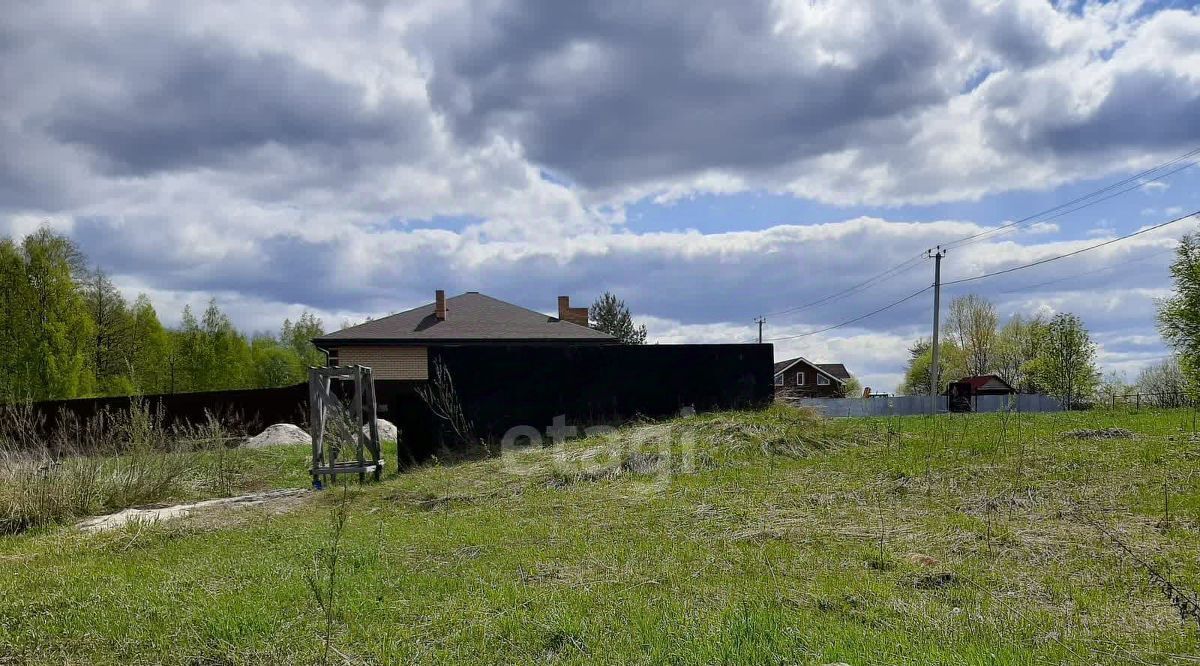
[(1136, 260), (1071, 254), (898, 269), (856, 319), (1138, 180), (986, 275)]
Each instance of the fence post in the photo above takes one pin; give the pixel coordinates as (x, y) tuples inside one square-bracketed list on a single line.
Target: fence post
[(1138, 408)]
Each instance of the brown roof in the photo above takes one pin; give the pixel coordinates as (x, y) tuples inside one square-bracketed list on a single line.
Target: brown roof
[(835, 371), (470, 317)]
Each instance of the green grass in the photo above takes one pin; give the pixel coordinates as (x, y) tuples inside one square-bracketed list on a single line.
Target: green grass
[(760, 545)]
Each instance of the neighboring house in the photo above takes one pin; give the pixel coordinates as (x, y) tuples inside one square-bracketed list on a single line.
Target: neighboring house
[(801, 377), (984, 385), (397, 347)]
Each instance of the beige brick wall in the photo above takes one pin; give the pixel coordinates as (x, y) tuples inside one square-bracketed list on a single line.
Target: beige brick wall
[(388, 362)]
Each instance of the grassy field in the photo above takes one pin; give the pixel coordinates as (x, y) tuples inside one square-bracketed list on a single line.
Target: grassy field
[(769, 538)]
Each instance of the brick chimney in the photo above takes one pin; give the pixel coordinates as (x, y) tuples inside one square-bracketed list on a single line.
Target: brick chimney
[(574, 315), (439, 304)]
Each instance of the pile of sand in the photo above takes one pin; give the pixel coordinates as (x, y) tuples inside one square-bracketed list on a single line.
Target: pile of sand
[(283, 434), (280, 434), (387, 430)]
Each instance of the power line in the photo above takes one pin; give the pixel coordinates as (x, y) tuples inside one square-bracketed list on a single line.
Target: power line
[(1071, 254), (1136, 260), (1137, 179), (856, 319), (898, 269), (986, 275), (1011, 227)]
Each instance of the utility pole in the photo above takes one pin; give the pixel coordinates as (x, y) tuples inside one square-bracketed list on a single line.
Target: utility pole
[(934, 369), (760, 321)]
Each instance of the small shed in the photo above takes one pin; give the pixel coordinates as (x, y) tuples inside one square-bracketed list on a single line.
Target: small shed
[(984, 385)]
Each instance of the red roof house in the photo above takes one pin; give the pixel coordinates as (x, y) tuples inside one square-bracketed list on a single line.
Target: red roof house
[(985, 385)]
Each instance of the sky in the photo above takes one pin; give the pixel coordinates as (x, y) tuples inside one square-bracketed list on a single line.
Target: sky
[(708, 162)]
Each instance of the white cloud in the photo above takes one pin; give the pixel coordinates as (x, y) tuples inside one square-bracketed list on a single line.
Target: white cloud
[(351, 158)]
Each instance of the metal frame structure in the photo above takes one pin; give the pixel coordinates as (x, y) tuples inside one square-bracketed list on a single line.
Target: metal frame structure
[(368, 458)]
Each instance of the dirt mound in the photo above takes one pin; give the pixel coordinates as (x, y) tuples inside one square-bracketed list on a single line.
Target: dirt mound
[(1099, 433), (280, 434)]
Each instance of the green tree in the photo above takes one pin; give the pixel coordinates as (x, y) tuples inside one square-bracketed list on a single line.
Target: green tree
[(56, 357), (187, 354), (1066, 364), (150, 349), (852, 388), (17, 331), (609, 315), (275, 364), (209, 354), (1017, 347), (227, 359), (1179, 315), (68, 332), (111, 345), (971, 325), (920, 360), (298, 336)]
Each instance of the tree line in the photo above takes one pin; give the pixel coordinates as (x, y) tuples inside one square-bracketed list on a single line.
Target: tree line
[(1034, 354), (68, 332)]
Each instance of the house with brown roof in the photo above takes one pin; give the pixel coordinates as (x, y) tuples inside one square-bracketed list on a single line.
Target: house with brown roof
[(516, 368), (803, 378), (397, 347)]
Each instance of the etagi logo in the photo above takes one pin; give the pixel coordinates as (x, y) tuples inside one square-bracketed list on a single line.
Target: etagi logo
[(651, 454)]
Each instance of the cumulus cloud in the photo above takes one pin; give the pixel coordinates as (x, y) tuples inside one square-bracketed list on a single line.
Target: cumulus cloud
[(843, 102), (352, 157)]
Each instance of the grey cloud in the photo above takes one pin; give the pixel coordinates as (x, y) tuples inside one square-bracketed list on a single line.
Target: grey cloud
[(679, 88), (202, 103), (624, 95), (1143, 110)]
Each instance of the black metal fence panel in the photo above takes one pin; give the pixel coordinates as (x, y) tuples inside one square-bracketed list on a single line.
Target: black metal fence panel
[(503, 387), (499, 387), (244, 411)]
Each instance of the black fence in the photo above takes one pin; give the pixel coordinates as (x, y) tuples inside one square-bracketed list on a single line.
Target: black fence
[(244, 411), (498, 388), (502, 387)]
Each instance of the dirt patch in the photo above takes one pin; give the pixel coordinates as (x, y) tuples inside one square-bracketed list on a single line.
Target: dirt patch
[(935, 581), (163, 513), (921, 560), (1099, 433)]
